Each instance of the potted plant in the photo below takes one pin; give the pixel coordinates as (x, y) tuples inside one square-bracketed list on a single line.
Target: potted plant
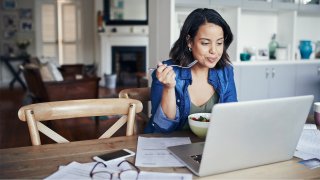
[(23, 45)]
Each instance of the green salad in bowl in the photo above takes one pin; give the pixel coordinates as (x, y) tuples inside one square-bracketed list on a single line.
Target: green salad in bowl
[(201, 119), (199, 123)]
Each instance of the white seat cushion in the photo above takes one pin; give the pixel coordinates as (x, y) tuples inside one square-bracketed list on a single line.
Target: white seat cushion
[(55, 72), (45, 72)]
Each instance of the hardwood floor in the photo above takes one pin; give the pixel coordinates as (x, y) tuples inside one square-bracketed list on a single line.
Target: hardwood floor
[(14, 133)]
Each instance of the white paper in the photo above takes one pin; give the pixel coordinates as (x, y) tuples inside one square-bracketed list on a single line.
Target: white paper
[(73, 170), (305, 156), (310, 126), (77, 170), (309, 144), (152, 152), (156, 176)]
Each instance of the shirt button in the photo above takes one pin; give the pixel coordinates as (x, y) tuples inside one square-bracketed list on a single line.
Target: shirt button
[(178, 100)]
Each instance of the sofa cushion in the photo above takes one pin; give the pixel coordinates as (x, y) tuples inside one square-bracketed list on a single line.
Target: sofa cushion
[(55, 72), (45, 72), (48, 71), (49, 66)]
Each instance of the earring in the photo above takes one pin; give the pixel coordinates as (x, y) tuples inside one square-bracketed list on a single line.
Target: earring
[(190, 49)]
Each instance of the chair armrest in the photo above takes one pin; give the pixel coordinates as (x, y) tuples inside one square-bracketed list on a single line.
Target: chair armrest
[(86, 88)]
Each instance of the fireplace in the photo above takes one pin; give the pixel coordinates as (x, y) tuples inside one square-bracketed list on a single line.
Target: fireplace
[(128, 63), (124, 54)]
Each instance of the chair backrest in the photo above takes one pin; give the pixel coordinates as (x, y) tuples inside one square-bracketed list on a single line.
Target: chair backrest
[(57, 110), (141, 94), (34, 82)]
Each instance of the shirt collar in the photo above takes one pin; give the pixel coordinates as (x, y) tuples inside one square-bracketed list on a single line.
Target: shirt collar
[(185, 73)]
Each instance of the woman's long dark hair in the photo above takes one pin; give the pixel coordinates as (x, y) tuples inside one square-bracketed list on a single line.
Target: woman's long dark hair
[(180, 53)]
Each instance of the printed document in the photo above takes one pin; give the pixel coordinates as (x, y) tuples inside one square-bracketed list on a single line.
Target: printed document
[(77, 170), (309, 143), (152, 152)]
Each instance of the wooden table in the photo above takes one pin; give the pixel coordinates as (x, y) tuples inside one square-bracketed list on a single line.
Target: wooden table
[(41, 161)]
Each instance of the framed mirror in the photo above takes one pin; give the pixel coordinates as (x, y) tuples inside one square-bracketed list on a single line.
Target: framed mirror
[(126, 12)]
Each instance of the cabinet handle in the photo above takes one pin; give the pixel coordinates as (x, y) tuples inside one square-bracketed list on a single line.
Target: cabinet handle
[(273, 73), (267, 73)]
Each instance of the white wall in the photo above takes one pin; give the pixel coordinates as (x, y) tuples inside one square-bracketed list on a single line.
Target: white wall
[(98, 6), (5, 75), (256, 29), (161, 26), (88, 30)]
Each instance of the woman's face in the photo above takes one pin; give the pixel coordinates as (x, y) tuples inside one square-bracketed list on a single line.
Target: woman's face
[(207, 45)]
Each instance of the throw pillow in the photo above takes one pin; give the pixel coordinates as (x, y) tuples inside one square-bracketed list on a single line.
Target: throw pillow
[(45, 72), (55, 72)]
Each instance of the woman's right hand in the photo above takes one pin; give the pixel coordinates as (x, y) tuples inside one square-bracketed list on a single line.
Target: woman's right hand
[(166, 75)]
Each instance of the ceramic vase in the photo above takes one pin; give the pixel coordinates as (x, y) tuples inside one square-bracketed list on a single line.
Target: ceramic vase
[(305, 49)]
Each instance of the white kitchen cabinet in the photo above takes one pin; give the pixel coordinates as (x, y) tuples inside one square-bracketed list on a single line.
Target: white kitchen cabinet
[(236, 72), (192, 3), (257, 4), (308, 80), (282, 80), (253, 83), (285, 4), (265, 81), (226, 3), (309, 7), (277, 79)]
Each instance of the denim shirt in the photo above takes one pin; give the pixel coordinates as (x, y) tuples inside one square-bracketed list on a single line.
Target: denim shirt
[(222, 81)]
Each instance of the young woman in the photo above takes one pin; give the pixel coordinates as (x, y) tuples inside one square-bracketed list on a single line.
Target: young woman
[(177, 92)]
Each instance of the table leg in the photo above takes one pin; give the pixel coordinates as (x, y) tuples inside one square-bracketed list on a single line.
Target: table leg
[(16, 76)]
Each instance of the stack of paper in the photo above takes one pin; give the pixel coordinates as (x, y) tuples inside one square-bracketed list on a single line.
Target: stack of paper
[(309, 144), (76, 170), (152, 152)]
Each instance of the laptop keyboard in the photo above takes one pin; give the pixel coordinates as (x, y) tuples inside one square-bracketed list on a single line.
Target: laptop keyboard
[(197, 158)]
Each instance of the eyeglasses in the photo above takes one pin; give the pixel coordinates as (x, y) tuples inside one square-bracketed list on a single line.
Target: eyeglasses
[(123, 174)]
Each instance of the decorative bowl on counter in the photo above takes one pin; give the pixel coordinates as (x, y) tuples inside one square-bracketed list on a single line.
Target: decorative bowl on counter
[(245, 56)]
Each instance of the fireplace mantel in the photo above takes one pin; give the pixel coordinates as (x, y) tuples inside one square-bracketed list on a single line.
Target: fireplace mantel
[(119, 39)]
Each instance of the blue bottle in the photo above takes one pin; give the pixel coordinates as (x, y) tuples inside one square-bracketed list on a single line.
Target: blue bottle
[(305, 49)]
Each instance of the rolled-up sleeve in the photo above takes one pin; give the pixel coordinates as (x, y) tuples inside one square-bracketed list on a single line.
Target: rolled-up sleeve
[(165, 124)]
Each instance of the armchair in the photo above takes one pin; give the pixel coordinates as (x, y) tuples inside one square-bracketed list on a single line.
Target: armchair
[(69, 89)]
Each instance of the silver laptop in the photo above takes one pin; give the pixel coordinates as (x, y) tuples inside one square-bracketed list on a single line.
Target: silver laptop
[(247, 134)]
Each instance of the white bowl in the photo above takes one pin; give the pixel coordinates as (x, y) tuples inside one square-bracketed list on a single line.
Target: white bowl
[(197, 127)]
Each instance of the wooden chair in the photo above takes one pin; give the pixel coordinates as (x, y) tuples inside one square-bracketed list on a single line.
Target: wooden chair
[(141, 94), (33, 114)]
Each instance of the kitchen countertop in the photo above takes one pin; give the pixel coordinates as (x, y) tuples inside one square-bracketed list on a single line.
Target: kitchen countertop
[(276, 62)]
